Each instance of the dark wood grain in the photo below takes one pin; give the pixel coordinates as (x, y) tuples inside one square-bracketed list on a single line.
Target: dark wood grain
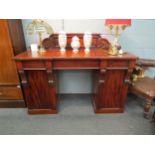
[(112, 92), (40, 95)]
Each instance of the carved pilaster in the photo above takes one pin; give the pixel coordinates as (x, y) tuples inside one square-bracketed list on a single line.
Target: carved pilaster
[(23, 78), (22, 74), (127, 79), (102, 72), (49, 73), (50, 77), (147, 107)]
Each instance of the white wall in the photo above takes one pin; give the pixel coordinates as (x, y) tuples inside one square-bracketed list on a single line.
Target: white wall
[(138, 39), (78, 26)]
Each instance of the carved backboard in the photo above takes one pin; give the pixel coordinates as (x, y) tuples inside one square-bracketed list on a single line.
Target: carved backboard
[(97, 41)]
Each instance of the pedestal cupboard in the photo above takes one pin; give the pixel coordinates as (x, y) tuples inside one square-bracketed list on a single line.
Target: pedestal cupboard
[(111, 75)]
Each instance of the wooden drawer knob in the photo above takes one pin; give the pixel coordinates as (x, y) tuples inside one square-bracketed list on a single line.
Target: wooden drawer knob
[(127, 81), (50, 81), (101, 81)]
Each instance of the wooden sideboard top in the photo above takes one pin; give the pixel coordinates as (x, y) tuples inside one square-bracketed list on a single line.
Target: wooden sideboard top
[(96, 53)]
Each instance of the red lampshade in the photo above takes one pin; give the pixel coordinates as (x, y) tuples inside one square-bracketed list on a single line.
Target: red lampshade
[(118, 22)]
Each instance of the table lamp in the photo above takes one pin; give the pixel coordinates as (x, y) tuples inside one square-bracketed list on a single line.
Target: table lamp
[(117, 26), (39, 27)]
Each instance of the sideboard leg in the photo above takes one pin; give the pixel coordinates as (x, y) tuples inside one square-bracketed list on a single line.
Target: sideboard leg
[(153, 117), (147, 107)]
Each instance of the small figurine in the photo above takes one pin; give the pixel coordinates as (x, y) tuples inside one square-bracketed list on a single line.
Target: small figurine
[(75, 44), (62, 39), (87, 38)]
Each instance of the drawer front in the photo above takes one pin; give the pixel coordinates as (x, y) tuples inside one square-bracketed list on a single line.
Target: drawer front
[(33, 64), (75, 64), (10, 93), (118, 63)]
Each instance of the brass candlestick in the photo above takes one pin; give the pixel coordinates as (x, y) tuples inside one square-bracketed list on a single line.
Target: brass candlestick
[(115, 31)]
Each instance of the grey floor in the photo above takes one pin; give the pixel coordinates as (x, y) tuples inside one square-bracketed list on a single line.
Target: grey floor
[(76, 116)]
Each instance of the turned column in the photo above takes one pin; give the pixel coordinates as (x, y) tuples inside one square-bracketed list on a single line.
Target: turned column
[(147, 106)]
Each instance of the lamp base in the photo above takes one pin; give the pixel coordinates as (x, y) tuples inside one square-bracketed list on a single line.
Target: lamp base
[(113, 50), (41, 50)]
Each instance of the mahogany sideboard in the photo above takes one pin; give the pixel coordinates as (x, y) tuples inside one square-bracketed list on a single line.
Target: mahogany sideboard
[(111, 77)]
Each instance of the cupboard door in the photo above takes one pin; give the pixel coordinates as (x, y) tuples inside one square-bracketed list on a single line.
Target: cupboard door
[(111, 85), (111, 92), (40, 95)]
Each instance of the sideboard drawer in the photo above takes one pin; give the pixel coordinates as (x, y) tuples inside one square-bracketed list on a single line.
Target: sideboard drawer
[(11, 92), (117, 63), (76, 64), (33, 64)]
